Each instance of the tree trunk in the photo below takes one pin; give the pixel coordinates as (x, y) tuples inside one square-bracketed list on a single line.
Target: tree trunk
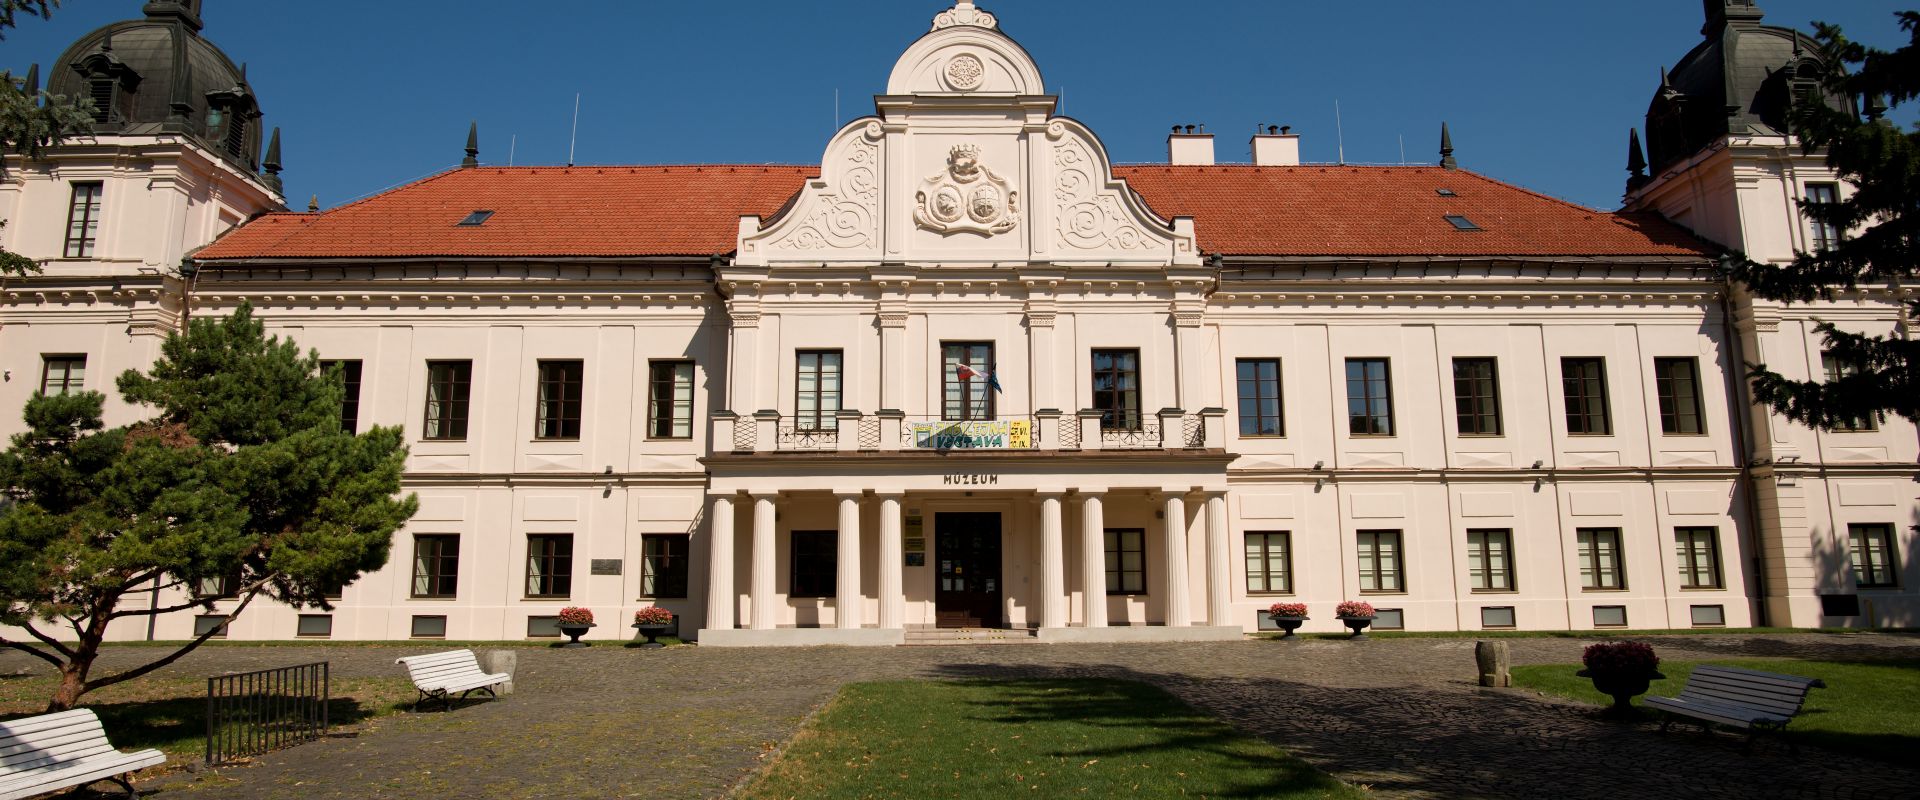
[(73, 682)]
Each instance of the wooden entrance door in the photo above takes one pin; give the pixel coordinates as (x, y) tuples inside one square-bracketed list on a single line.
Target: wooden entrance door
[(967, 555)]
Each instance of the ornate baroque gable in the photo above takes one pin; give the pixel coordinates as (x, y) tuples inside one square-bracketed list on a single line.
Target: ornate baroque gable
[(966, 164)]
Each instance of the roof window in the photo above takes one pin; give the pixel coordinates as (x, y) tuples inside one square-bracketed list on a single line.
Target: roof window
[(476, 219), (1462, 223), (1445, 193)]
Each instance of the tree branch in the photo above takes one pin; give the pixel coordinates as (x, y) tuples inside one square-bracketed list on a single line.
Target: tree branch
[(51, 642), (37, 652), (151, 612), (190, 646)]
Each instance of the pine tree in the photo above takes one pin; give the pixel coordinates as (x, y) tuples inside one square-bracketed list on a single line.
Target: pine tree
[(33, 121), (1880, 373), (244, 477)]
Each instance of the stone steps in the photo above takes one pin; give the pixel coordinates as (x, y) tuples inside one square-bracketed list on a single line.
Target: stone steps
[(935, 637)]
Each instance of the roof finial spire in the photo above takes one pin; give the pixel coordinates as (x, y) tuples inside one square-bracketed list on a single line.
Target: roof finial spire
[(32, 87), (473, 146), (1446, 148), (964, 12), (1636, 162), (313, 204), (270, 166)]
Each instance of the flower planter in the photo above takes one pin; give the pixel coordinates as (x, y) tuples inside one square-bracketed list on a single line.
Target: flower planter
[(1621, 686), (1288, 624), (574, 632), (651, 632), (1358, 625)]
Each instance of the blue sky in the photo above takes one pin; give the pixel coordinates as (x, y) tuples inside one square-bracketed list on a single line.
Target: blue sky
[(374, 93)]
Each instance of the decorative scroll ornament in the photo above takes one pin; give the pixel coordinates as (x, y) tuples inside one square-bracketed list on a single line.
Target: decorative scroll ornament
[(845, 215), (966, 197), (965, 72), (1088, 218), (964, 13)]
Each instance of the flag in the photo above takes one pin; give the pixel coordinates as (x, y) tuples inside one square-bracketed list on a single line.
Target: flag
[(968, 373)]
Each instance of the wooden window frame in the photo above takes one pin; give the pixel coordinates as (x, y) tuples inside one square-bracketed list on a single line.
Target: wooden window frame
[(1835, 369), (446, 418), (1265, 559), (87, 216), (1821, 236), (1480, 558), (1693, 556), (818, 583), (559, 396), (1367, 423), (654, 565), (436, 575), (1112, 403), (1368, 542), (351, 372), (1581, 392), (1477, 413), (664, 407), (820, 418), (549, 569), (949, 380), (1675, 409), (1114, 545), (1259, 397), (67, 383), (1588, 553), (1860, 533)]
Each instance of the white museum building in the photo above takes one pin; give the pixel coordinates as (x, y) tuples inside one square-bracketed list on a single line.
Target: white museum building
[(967, 373)]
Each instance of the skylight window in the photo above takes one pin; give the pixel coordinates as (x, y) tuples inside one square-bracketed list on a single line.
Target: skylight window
[(1445, 193), (1462, 223), (475, 219)]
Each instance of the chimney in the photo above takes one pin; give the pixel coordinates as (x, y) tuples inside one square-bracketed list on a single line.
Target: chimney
[(1279, 146), (1187, 148)]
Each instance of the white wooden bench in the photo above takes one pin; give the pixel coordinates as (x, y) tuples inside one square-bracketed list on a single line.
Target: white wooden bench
[(1755, 702), (439, 675), (60, 751)]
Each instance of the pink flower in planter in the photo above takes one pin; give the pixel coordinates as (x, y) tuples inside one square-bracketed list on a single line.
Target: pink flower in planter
[(1354, 608), (574, 615), (1287, 610), (653, 615)]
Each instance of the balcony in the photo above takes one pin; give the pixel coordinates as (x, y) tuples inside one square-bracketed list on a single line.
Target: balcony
[(895, 432)]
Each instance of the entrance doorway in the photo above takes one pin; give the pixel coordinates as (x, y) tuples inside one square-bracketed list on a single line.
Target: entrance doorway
[(967, 549)]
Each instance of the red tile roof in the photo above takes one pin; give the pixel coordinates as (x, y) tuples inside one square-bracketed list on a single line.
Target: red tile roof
[(694, 211), (1390, 211)]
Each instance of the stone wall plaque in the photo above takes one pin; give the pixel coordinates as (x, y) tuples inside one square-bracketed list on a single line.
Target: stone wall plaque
[(606, 566)]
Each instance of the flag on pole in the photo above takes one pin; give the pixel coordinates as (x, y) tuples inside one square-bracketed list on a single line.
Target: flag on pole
[(969, 373)]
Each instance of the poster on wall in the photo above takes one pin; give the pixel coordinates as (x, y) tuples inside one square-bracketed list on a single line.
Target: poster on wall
[(1000, 434)]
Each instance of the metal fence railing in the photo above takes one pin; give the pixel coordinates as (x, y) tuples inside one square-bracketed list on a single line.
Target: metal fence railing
[(250, 713)]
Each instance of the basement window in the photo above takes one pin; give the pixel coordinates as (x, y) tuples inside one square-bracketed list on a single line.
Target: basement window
[(1462, 223), (1445, 193), (476, 219)]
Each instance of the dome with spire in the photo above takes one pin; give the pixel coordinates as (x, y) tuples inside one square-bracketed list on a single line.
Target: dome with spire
[(156, 75)]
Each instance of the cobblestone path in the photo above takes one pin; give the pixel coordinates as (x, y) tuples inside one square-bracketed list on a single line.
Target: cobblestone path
[(1401, 716)]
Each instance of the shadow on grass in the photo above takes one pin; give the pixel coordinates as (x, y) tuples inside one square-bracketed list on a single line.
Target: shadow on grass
[(179, 725)]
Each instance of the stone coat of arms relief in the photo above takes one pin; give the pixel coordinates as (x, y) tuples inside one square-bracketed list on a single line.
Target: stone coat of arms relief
[(966, 197)]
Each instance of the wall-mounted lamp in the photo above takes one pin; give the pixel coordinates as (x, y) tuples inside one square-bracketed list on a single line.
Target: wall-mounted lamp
[(1319, 482), (1319, 464), (1539, 482), (1538, 463)]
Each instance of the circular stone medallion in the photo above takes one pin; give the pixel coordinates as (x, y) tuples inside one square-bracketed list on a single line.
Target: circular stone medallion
[(966, 73)]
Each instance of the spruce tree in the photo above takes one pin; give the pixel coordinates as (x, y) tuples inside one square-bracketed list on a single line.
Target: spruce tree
[(1880, 373), (243, 476)]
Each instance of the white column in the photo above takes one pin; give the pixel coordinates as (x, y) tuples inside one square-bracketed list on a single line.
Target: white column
[(1219, 574), (893, 599), (720, 597), (1176, 539), (1093, 559), (846, 611), (1053, 564), (760, 590)]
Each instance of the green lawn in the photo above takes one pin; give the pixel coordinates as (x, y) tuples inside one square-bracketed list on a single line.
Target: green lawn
[(1589, 634), (1870, 708), (1033, 738)]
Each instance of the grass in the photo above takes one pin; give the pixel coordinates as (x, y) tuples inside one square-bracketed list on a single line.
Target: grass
[(1869, 708), (169, 712), (1591, 634), (1034, 738)]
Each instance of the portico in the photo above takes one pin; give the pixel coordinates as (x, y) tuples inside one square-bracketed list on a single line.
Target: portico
[(1124, 553)]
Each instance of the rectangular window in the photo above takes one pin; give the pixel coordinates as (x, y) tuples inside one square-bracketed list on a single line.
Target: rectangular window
[(965, 393), (1380, 562), (543, 627), (816, 561), (1389, 619), (663, 567), (1838, 368), (670, 400), (557, 414), (1709, 616), (1583, 381), (1874, 554), (83, 220), (1269, 562), (317, 626), (448, 385), (1369, 397), (1260, 397), (1600, 562), (1490, 560), (217, 623), (350, 402), (1825, 235), (436, 565), (62, 374), (1677, 381), (220, 587), (1699, 553), (1476, 396), (1116, 389), (1126, 561), (1497, 617), (817, 390), (1609, 616), (429, 626), (549, 565)]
